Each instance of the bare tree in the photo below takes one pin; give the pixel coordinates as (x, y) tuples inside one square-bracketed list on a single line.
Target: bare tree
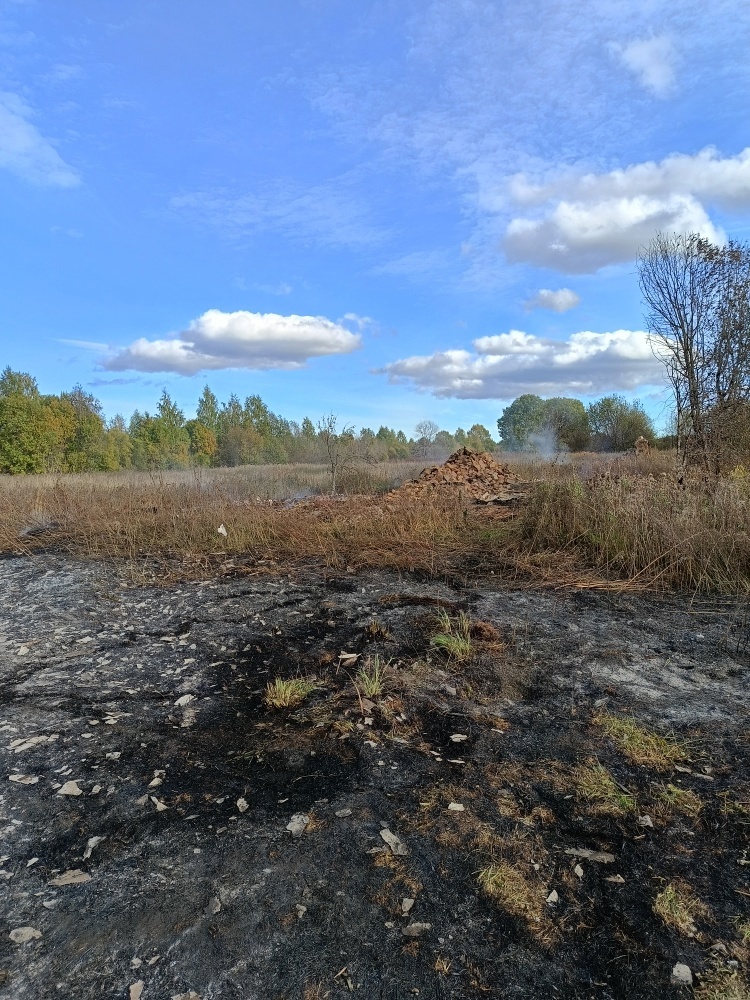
[(426, 431), (698, 297), (340, 447)]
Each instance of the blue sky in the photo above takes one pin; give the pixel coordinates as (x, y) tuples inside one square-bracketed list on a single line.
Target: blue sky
[(390, 209)]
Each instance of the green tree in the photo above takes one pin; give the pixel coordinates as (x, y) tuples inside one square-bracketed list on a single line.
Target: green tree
[(566, 422), (616, 423), (519, 421), (207, 412), (203, 445), (479, 439), (23, 442)]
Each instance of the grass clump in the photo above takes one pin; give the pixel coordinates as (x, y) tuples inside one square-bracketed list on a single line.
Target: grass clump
[(453, 635), (641, 745), (742, 927), (679, 907), (506, 885), (723, 984), (371, 678), (595, 784), (288, 693), (680, 800)]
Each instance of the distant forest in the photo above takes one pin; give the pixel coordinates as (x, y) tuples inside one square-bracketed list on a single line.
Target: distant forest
[(69, 433)]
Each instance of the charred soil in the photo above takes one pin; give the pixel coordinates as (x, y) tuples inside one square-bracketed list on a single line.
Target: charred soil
[(480, 790)]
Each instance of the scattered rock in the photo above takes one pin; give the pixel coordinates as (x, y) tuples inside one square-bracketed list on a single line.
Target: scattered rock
[(617, 879), (584, 852), (91, 843), (70, 788), (24, 779), (296, 825), (455, 807), (681, 975), (459, 737), (242, 805), (160, 806), (185, 700), (22, 935), (221, 530), (301, 910), (136, 989), (343, 813), (406, 905), (395, 843), (579, 871), (646, 822), (416, 930), (213, 906), (73, 876), (553, 898)]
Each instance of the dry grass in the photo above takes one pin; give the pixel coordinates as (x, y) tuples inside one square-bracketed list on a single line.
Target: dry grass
[(652, 531), (371, 678), (640, 745), (518, 894), (282, 693), (595, 784), (680, 800), (721, 983), (679, 908), (590, 519)]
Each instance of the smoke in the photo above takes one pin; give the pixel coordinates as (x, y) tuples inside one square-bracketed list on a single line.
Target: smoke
[(546, 444)]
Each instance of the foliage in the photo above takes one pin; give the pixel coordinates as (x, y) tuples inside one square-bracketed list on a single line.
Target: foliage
[(68, 433), (616, 424)]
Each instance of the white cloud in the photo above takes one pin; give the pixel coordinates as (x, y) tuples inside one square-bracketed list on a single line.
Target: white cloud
[(24, 150), (580, 223), (510, 364), (651, 61), (559, 300), (241, 339)]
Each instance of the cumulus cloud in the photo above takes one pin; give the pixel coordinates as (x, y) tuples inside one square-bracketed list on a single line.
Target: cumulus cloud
[(24, 150), (579, 223), (509, 364), (241, 339), (651, 61), (559, 300)]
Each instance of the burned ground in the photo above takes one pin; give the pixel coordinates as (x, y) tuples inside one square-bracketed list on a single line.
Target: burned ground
[(577, 722)]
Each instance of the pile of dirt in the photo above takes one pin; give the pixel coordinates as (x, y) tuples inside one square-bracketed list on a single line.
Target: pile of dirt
[(474, 475)]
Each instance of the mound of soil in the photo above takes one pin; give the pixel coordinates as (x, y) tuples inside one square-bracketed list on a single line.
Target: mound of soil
[(474, 475)]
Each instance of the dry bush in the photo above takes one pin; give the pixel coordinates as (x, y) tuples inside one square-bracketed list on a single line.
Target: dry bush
[(653, 531)]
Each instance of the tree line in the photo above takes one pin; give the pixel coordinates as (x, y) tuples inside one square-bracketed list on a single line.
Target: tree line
[(69, 433), (531, 423)]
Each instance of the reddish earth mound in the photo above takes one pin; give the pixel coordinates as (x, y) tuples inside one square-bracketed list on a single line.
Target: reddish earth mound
[(475, 475)]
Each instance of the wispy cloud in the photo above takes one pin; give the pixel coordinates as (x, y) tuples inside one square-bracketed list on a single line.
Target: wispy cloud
[(24, 151), (257, 341), (509, 364), (651, 61), (332, 214)]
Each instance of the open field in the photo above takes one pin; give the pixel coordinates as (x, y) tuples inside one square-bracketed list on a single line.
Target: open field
[(394, 743), (591, 519)]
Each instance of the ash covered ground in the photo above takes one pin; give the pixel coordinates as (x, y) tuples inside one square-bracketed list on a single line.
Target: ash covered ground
[(164, 833)]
